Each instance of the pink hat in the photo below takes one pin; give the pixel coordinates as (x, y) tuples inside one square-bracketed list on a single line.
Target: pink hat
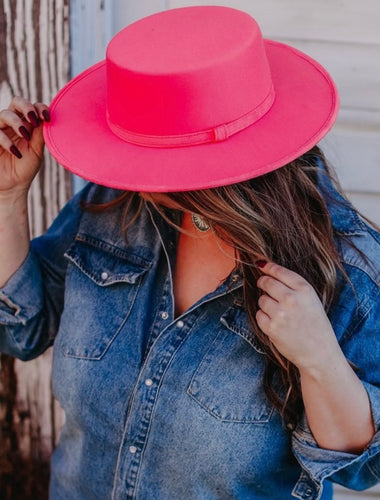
[(190, 98)]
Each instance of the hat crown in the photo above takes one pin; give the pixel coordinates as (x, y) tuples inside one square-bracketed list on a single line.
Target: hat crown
[(185, 71), (196, 77)]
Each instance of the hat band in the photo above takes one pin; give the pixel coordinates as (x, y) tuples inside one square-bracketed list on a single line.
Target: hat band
[(216, 134)]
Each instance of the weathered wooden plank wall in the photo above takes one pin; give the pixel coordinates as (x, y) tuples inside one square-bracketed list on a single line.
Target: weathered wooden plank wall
[(34, 62)]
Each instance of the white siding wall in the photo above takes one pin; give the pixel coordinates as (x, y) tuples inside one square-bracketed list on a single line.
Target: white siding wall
[(344, 35)]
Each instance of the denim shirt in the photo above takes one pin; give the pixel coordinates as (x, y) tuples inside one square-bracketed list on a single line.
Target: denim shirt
[(164, 407)]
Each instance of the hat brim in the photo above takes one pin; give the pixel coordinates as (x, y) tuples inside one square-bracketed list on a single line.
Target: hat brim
[(305, 108)]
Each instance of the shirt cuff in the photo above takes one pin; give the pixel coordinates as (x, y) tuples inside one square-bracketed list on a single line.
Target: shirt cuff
[(353, 471)]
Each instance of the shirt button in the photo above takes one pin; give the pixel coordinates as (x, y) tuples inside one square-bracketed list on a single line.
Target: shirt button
[(104, 275), (180, 324), (308, 492), (235, 278), (132, 449), (148, 382), (164, 315)]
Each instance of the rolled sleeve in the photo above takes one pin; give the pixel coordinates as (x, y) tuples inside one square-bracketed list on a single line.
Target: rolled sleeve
[(353, 471), (31, 301), (17, 304)]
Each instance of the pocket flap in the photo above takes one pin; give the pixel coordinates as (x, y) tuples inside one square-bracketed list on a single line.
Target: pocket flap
[(105, 264), (237, 321)]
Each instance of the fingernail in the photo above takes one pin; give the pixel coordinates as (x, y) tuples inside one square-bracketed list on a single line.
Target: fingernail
[(33, 118), (261, 263), (46, 115), (15, 151), (24, 132)]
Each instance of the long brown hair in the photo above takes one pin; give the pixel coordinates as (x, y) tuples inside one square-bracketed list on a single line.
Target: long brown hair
[(282, 217)]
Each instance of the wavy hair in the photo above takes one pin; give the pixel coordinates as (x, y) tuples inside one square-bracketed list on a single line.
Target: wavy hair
[(280, 216)]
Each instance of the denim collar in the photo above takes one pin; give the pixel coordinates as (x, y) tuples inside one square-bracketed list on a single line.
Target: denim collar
[(344, 219)]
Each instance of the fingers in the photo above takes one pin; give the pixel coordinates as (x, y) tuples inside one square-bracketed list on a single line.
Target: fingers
[(18, 122), (273, 288), (283, 290), (268, 305), (274, 275), (32, 113), (263, 320), (42, 111), (10, 119)]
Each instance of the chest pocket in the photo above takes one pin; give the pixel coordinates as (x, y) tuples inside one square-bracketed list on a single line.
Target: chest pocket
[(102, 284), (228, 382)]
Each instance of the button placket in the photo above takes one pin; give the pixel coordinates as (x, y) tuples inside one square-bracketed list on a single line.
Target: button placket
[(142, 409)]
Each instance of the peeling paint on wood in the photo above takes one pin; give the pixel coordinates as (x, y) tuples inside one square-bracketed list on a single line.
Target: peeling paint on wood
[(34, 62)]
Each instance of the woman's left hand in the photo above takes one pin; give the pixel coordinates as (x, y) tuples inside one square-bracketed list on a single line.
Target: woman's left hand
[(294, 319)]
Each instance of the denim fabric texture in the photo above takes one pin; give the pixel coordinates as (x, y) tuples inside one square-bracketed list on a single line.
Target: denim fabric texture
[(166, 408)]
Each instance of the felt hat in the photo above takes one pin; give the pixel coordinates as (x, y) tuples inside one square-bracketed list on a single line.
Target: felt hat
[(190, 98)]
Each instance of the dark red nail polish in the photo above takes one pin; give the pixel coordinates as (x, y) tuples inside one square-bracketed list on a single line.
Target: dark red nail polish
[(15, 151), (46, 115), (24, 132), (33, 118), (261, 263)]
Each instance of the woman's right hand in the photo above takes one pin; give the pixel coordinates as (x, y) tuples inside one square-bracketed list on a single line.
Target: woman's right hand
[(21, 145)]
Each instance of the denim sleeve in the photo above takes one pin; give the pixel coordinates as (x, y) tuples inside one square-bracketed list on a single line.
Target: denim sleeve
[(360, 344), (32, 300)]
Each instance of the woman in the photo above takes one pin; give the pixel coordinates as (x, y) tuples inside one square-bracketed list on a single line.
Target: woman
[(211, 297)]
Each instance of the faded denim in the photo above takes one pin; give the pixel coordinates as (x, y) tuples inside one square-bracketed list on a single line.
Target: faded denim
[(169, 408)]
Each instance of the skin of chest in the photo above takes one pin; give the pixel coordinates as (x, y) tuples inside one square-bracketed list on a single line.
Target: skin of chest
[(203, 262)]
